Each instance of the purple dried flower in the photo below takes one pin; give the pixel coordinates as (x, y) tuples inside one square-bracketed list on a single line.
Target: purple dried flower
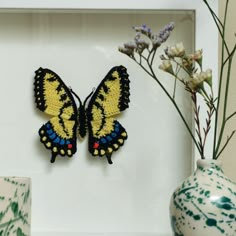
[(164, 33), (130, 45), (156, 41), (141, 43), (138, 39), (128, 51), (170, 26), (143, 29)]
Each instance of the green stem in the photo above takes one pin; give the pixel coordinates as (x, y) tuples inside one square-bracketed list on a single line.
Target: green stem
[(223, 46), (230, 55), (215, 18), (181, 66), (153, 57), (153, 75), (226, 143), (213, 13), (229, 117), (150, 53), (143, 67), (224, 120), (175, 83)]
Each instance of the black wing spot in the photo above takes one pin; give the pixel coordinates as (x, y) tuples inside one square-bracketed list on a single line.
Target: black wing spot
[(52, 79), (63, 126), (59, 87), (100, 96), (105, 88), (98, 105), (63, 97), (66, 104)]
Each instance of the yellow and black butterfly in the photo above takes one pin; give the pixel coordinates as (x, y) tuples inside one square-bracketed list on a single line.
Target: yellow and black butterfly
[(105, 133)]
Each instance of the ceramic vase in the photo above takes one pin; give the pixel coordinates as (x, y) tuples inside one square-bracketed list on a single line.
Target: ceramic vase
[(205, 203), (15, 206)]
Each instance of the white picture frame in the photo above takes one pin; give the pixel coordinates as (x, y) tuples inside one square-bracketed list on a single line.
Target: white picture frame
[(206, 32), (206, 37)]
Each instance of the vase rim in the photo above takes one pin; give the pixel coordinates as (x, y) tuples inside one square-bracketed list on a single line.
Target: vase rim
[(208, 163)]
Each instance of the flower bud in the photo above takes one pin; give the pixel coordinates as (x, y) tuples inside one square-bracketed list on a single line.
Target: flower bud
[(197, 56), (131, 45), (208, 78), (129, 52), (167, 66), (176, 51), (196, 83)]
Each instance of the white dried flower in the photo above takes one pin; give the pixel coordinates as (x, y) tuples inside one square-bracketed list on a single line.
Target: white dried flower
[(177, 50), (166, 66)]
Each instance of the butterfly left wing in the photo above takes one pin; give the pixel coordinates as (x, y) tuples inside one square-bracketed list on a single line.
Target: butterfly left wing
[(53, 97), (110, 98)]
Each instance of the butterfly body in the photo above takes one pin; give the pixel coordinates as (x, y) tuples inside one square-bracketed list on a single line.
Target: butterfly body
[(105, 133), (82, 120)]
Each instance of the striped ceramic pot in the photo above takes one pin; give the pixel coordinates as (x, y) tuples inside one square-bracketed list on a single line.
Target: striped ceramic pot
[(205, 203), (15, 206)]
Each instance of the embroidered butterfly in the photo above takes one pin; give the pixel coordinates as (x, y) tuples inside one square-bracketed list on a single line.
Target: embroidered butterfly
[(59, 134)]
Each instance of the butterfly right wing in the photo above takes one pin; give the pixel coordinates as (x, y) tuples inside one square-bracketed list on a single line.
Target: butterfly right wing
[(53, 97), (106, 134)]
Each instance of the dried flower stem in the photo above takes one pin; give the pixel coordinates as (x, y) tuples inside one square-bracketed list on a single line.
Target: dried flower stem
[(190, 64), (153, 75), (222, 92), (225, 109), (223, 47), (210, 112), (226, 143), (196, 82), (196, 110)]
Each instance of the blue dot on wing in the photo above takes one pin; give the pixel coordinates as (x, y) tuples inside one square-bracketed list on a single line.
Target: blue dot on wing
[(50, 131), (48, 125), (113, 135), (109, 138), (52, 136), (117, 130), (62, 142), (67, 142), (57, 140), (103, 140)]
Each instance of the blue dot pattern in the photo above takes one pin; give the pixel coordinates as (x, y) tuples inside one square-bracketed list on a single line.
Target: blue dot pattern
[(54, 137)]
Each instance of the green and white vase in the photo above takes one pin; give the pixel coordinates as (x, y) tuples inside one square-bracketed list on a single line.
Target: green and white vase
[(15, 206), (205, 203)]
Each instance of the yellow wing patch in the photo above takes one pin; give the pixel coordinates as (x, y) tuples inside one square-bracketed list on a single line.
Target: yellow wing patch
[(51, 96), (110, 102), (63, 127), (102, 127)]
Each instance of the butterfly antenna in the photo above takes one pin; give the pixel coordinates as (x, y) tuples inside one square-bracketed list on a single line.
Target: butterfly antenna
[(76, 96), (108, 156), (53, 157), (86, 99)]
